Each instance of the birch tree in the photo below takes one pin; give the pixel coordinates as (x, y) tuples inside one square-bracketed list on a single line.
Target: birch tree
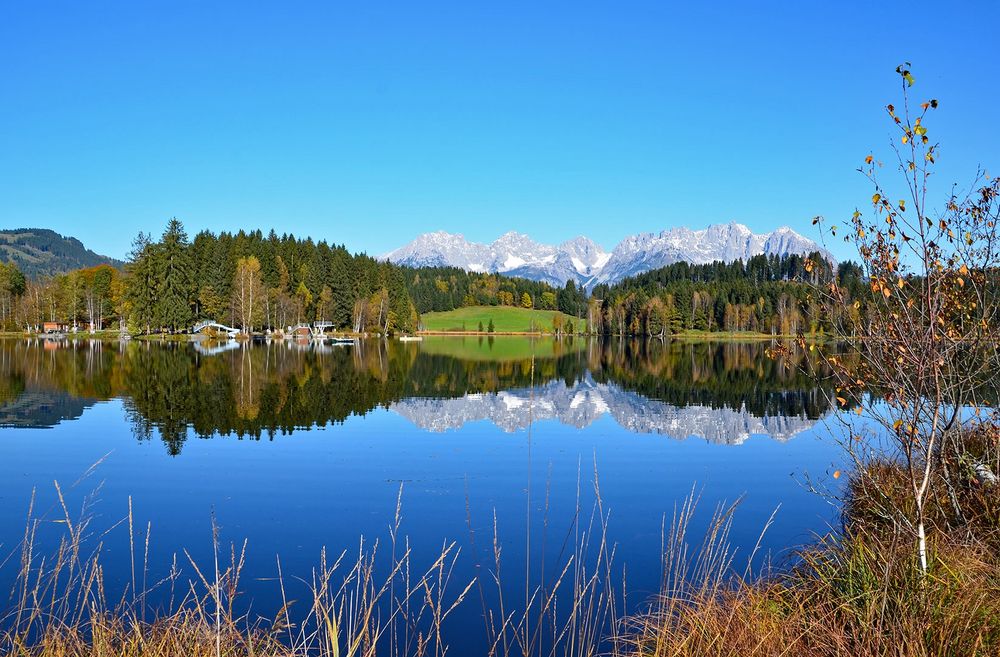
[(248, 293), (927, 343)]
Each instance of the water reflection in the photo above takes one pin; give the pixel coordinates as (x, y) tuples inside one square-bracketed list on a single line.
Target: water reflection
[(721, 392), (587, 401)]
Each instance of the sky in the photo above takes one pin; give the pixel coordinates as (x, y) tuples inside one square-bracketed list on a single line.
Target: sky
[(368, 123)]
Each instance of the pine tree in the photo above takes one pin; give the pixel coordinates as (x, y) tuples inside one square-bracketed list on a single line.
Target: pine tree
[(174, 275), (340, 287), (141, 290)]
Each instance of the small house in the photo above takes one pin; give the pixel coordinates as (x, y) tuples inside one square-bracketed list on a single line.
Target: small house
[(54, 327)]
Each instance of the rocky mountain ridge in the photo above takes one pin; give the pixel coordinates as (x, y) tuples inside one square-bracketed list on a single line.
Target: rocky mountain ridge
[(586, 263)]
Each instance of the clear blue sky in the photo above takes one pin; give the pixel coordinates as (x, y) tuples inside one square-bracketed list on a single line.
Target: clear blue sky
[(368, 122)]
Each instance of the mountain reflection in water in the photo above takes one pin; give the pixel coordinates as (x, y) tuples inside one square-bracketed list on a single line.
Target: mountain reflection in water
[(720, 392), (586, 401)]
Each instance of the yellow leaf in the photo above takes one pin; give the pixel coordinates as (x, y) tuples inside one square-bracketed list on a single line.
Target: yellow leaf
[(836, 474), (842, 401), (876, 198), (963, 270), (897, 424)]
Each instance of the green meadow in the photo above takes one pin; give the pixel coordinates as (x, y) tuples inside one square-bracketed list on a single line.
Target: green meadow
[(506, 319)]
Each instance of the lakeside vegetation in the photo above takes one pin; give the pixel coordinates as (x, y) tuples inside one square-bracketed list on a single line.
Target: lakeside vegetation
[(857, 591), (258, 283)]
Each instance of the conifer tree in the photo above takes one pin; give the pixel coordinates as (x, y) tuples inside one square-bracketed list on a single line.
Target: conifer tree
[(141, 289), (174, 275)]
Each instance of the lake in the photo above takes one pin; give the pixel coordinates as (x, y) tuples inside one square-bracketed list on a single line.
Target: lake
[(297, 447)]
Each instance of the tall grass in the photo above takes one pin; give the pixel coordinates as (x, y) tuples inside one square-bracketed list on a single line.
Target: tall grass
[(61, 605), (373, 600), (857, 591)]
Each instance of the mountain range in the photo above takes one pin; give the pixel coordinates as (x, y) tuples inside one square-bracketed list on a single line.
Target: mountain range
[(42, 252), (584, 262)]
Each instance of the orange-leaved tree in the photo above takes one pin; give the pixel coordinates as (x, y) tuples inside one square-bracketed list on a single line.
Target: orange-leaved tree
[(925, 333)]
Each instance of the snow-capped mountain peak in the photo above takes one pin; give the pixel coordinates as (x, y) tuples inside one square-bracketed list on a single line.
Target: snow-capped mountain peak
[(584, 261)]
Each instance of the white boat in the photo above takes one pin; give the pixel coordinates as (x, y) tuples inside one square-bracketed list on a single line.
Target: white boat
[(410, 338)]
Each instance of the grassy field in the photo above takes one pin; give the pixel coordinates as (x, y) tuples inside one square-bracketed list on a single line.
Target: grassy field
[(505, 319)]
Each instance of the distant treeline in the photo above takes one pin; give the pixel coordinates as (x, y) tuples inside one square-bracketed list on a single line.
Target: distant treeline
[(247, 280), (434, 289), (766, 294), (259, 282), (255, 282)]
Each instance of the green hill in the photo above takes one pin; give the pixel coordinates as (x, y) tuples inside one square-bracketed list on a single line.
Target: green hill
[(505, 319), (41, 252)]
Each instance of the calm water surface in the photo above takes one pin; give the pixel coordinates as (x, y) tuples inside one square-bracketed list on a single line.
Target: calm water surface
[(296, 447)]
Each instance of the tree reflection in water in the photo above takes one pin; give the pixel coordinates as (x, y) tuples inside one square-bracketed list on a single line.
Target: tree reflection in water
[(171, 390)]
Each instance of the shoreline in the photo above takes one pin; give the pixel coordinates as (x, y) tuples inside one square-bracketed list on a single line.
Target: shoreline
[(734, 336)]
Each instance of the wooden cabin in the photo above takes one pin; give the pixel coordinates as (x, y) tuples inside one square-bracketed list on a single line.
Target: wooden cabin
[(54, 327)]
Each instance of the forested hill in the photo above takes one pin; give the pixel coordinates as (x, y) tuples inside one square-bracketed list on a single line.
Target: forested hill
[(435, 289), (39, 252), (766, 294)]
